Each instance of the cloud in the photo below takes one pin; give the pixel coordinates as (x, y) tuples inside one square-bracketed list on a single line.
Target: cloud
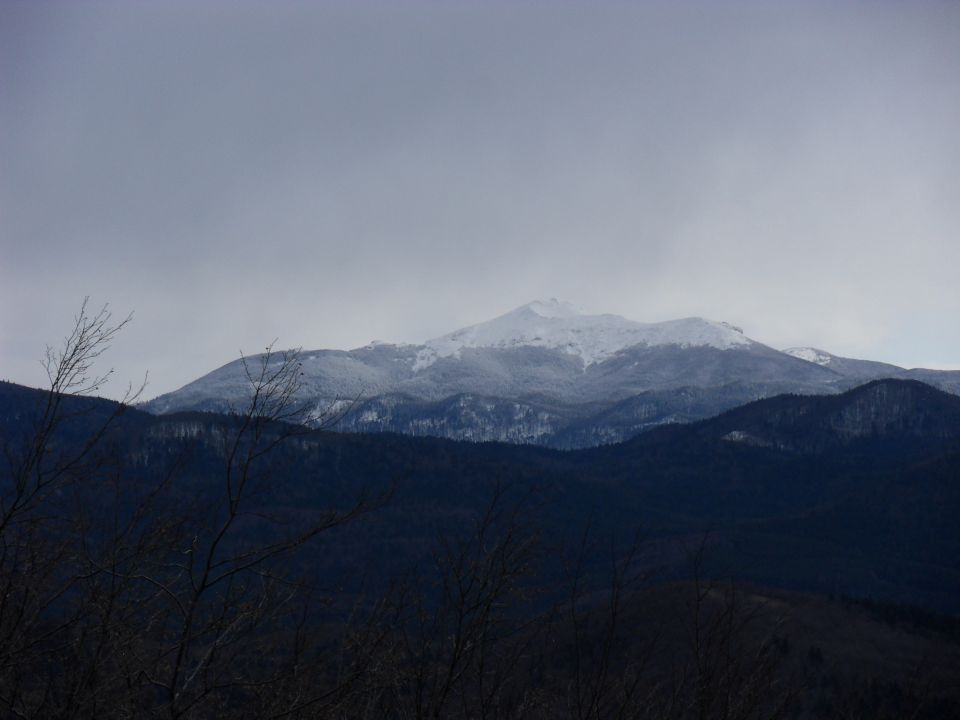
[(329, 173)]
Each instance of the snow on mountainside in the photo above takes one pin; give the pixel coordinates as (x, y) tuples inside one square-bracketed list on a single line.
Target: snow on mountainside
[(857, 369), (810, 355), (593, 338)]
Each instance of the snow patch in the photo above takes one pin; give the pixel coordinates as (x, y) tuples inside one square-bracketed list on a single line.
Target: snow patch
[(810, 355), (740, 436)]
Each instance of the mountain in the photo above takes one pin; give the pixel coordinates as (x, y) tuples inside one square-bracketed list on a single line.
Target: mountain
[(888, 412), (548, 374), (854, 493)]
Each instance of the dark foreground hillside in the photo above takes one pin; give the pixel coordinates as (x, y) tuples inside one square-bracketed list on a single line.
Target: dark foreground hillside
[(796, 557)]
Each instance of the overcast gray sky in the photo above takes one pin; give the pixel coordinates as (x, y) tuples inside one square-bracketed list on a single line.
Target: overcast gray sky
[(327, 174)]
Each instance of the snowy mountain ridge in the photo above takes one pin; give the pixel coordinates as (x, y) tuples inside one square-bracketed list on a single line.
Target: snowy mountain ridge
[(810, 354), (593, 338)]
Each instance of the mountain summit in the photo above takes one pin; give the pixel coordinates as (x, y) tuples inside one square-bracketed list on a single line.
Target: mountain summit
[(592, 338)]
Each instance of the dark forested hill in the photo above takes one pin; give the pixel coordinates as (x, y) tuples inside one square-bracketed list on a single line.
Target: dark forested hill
[(855, 493), (853, 496)]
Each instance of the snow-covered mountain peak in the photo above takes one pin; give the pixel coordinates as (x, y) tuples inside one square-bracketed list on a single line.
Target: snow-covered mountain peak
[(696, 332), (810, 354), (551, 308), (593, 338)]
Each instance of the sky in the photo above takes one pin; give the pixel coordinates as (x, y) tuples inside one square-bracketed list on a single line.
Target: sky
[(325, 174)]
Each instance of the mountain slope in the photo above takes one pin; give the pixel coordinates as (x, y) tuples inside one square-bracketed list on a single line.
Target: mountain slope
[(546, 374), (848, 367), (881, 411)]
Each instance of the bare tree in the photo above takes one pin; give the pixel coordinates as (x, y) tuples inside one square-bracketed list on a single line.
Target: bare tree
[(37, 568), (36, 469), (607, 660), (126, 595), (729, 674), (457, 640)]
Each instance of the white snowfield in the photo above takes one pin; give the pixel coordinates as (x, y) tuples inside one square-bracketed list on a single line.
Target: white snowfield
[(810, 355), (593, 338)]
